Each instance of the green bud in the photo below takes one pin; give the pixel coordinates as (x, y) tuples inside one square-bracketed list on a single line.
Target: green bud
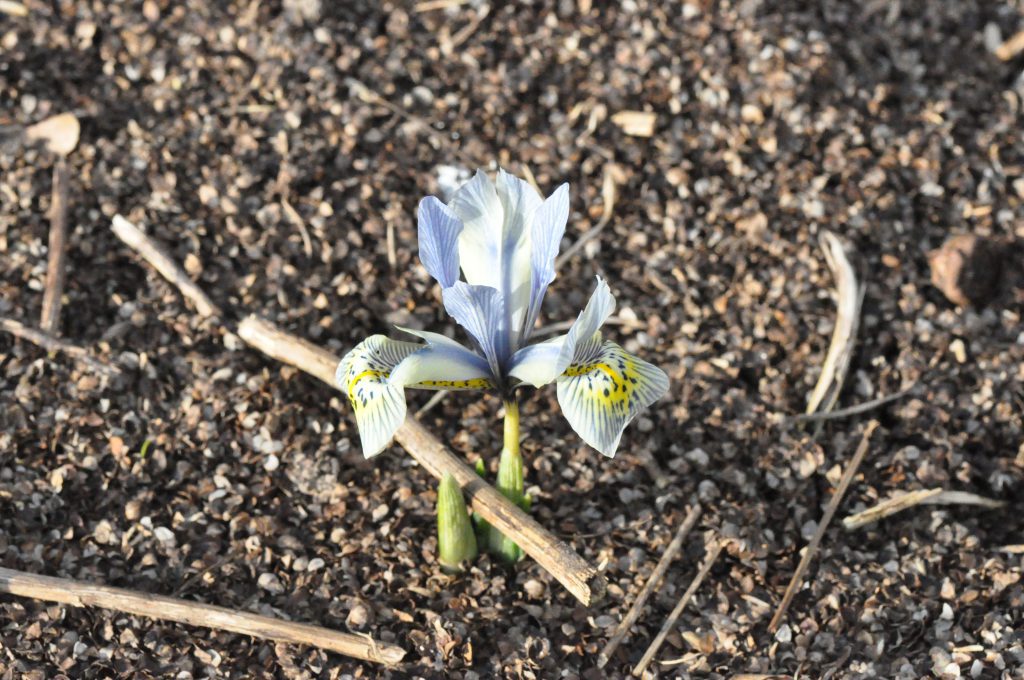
[(510, 484), (456, 541), (480, 467)]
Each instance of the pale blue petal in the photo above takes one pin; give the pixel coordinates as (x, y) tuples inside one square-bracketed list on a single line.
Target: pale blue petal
[(480, 311), (604, 389), (540, 364), (520, 202), (442, 367), (598, 309), (438, 232), (379, 406), (545, 237), (476, 204), (464, 355), (537, 364)]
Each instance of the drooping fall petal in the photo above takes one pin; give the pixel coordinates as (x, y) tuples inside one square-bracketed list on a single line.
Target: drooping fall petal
[(603, 389), (379, 405)]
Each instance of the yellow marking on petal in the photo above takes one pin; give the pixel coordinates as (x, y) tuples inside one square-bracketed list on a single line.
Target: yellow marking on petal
[(471, 384), (357, 400), (612, 386)]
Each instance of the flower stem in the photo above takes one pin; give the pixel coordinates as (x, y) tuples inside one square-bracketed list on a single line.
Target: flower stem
[(510, 480)]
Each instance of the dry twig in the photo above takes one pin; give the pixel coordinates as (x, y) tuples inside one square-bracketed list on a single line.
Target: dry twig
[(80, 594), (157, 256), (571, 570), (295, 218), (850, 296), (921, 497), (1013, 46), (670, 622), (56, 258), (52, 344), (852, 410), (653, 582), (830, 511)]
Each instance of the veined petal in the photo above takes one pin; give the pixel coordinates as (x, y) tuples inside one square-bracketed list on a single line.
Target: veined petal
[(545, 237), (538, 364), (476, 204), (438, 230), (379, 406), (520, 202), (442, 365), (541, 363), (604, 389), (480, 311)]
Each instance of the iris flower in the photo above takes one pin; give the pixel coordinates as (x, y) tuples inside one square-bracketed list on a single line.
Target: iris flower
[(504, 236)]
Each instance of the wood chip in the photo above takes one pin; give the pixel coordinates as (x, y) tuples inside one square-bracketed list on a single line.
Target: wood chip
[(59, 133), (636, 123)]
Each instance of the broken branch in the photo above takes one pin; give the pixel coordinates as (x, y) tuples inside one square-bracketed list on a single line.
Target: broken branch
[(80, 594), (56, 256), (830, 511), (670, 622), (157, 256), (653, 582)]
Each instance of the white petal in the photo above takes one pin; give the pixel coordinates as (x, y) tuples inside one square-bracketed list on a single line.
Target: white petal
[(476, 204), (520, 202), (379, 406), (541, 363), (538, 364), (603, 391), (443, 365)]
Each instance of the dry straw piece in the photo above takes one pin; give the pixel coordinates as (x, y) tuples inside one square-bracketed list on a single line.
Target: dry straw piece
[(908, 500), (850, 297)]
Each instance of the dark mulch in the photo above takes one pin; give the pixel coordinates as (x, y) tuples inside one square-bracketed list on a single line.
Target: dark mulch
[(889, 123)]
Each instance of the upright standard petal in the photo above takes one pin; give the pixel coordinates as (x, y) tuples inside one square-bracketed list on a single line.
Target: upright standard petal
[(541, 363), (476, 204), (442, 365), (479, 309), (379, 405), (545, 237), (604, 389), (438, 230), (520, 202)]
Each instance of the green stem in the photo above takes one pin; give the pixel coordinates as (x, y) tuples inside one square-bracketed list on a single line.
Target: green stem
[(510, 480)]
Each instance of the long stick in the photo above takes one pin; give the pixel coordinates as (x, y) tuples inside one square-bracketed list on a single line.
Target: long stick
[(571, 570), (52, 344), (670, 622), (653, 582), (56, 257), (163, 608), (158, 257), (830, 511)]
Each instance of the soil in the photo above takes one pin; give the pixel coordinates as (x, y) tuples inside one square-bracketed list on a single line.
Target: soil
[(279, 151)]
